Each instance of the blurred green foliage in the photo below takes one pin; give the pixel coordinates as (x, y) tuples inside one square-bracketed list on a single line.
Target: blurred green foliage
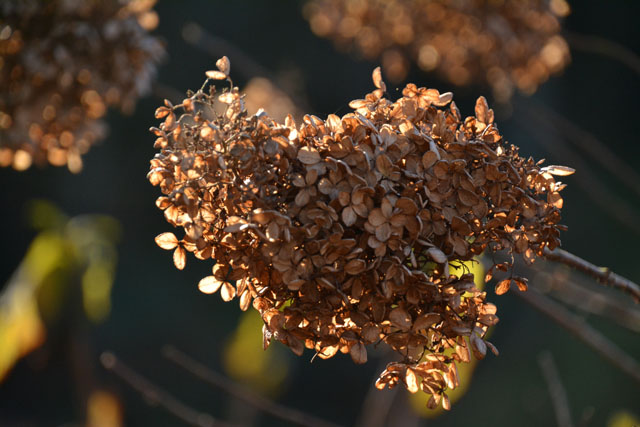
[(246, 361), (68, 256)]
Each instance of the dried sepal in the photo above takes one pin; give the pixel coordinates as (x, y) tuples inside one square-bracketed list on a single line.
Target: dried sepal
[(179, 258), (377, 79), (521, 283), (216, 75), (558, 170), (227, 291), (167, 241), (209, 285), (224, 65), (358, 353), (503, 286), (411, 381)]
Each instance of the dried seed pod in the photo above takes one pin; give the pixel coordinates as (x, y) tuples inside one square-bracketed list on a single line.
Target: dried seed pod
[(62, 64), (341, 231), (506, 44)]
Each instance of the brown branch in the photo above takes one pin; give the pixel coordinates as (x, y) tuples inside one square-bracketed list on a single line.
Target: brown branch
[(557, 392), (155, 395), (602, 274), (277, 410), (583, 331), (605, 47)]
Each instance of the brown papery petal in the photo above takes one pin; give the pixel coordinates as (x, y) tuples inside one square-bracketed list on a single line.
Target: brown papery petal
[(209, 285), (166, 241), (179, 258), (308, 155)]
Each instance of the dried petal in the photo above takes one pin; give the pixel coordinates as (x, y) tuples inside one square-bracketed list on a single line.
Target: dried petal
[(358, 353), (411, 381), (167, 241), (216, 75), (308, 155), (179, 258), (437, 255), (227, 291), (209, 285), (224, 65), (503, 286)]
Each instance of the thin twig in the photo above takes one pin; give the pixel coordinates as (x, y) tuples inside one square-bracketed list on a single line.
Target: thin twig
[(557, 392), (277, 410), (605, 47), (156, 395), (602, 274), (589, 144), (583, 331), (593, 187)]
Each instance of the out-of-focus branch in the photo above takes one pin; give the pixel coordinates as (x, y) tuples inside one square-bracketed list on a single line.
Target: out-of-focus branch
[(583, 298), (156, 395), (277, 410), (605, 47), (583, 331), (557, 392), (593, 187), (602, 274), (589, 144)]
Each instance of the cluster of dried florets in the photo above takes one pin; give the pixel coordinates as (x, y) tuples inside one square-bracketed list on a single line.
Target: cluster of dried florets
[(506, 44), (342, 231), (62, 63)]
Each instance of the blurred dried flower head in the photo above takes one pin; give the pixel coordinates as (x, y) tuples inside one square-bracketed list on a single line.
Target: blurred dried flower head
[(62, 63), (502, 43), (261, 93), (341, 232)]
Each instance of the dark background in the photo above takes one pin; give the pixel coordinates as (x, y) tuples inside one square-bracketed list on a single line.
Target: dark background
[(154, 304)]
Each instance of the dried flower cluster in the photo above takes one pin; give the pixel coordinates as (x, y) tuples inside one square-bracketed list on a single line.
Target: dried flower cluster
[(503, 43), (62, 63), (341, 231)]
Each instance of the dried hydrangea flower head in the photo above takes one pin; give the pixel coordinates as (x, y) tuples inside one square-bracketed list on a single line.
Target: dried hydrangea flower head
[(340, 232), (503, 43), (62, 63)]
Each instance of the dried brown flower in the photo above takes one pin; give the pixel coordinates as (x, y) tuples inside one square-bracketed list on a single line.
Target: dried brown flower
[(341, 231), (506, 44), (62, 63)]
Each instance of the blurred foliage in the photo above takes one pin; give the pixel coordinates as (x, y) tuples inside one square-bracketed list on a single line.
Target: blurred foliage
[(623, 419), (246, 361), (104, 410), (66, 253), (465, 370)]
